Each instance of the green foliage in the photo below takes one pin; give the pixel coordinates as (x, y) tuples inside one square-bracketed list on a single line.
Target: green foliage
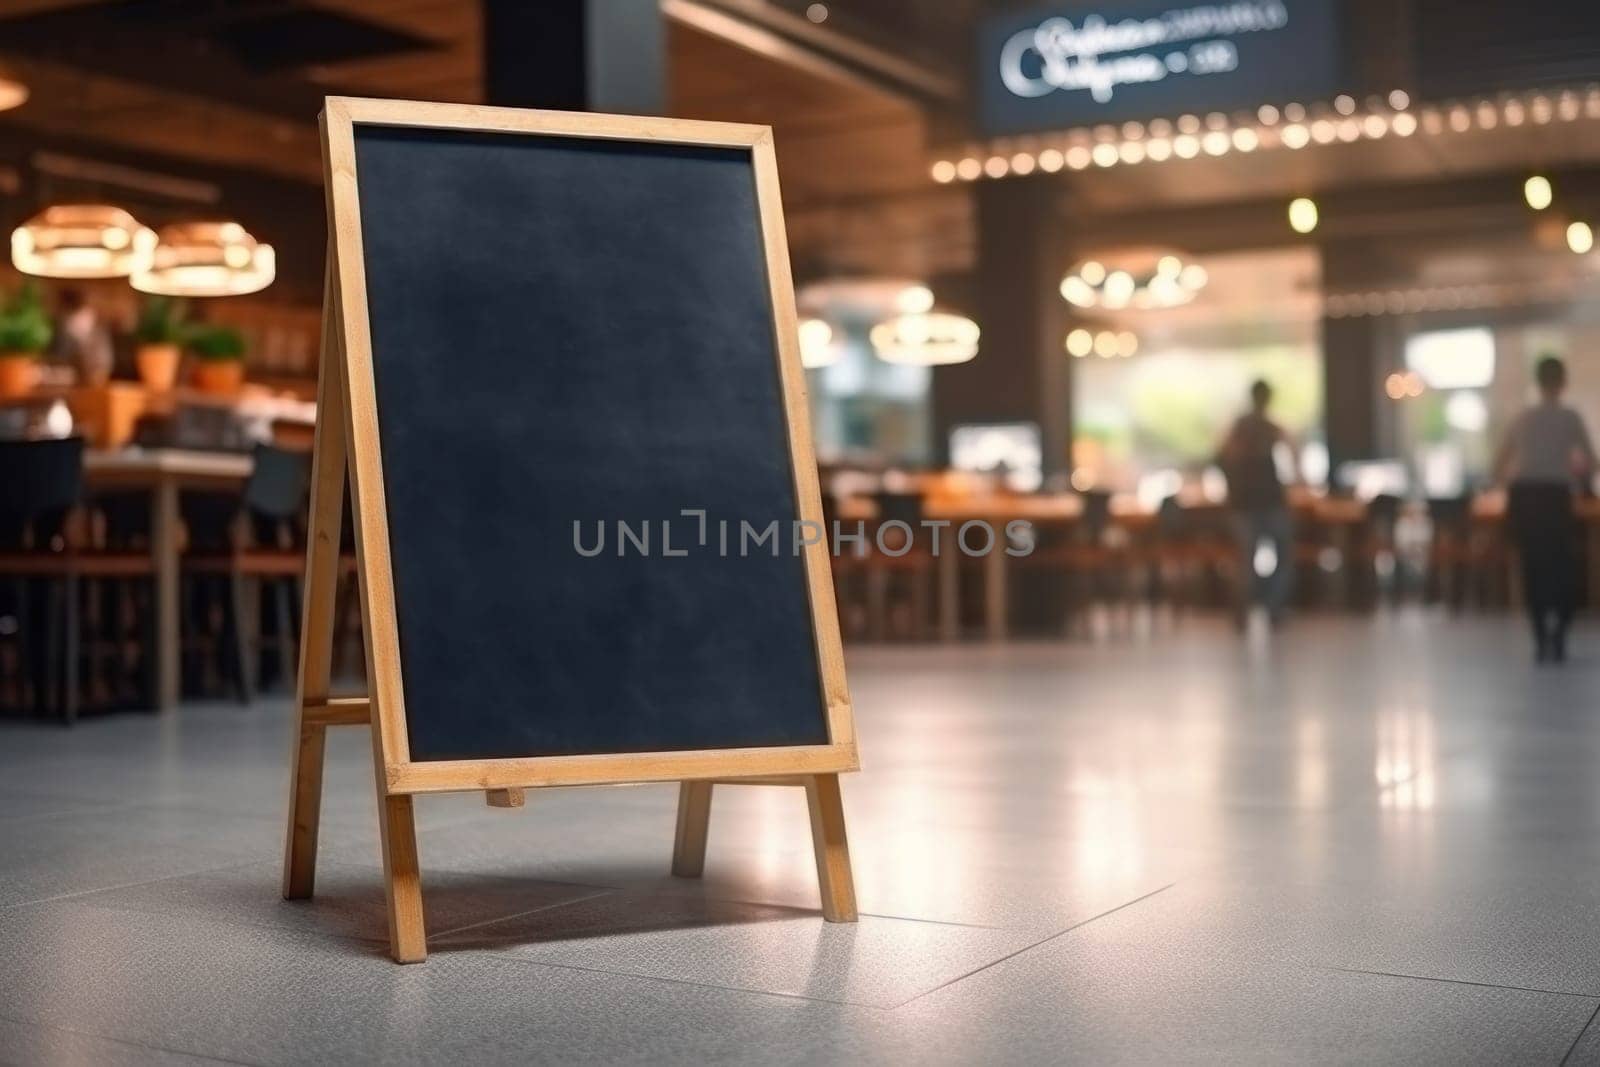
[(161, 322), (216, 343), (24, 325)]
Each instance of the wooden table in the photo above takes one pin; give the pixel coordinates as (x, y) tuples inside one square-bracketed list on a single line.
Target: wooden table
[(162, 472), (1040, 509)]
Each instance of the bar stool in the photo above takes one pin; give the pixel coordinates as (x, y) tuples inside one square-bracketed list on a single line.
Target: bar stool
[(253, 544), (43, 552)]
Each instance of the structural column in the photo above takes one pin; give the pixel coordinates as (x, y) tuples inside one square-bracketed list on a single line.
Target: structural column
[(1022, 372), (1353, 363), (575, 55)]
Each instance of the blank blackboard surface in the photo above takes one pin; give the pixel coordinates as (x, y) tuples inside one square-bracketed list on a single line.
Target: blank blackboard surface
[(579, 330)]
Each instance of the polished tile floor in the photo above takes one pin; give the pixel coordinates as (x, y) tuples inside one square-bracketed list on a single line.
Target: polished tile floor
[(1359, 840)]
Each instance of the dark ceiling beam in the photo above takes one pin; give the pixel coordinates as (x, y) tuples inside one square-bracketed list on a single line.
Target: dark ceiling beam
[(780, 35), (103, 43)]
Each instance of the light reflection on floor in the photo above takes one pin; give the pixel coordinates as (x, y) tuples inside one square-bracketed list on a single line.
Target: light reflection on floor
[(1353, 839)]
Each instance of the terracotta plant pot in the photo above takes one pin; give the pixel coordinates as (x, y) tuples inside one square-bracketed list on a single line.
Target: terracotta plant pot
[(158, 366), (218, 375), (19, 373)]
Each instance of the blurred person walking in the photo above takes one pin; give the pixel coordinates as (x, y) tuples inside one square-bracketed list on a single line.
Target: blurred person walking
[(1260, 509), (1545, 455)]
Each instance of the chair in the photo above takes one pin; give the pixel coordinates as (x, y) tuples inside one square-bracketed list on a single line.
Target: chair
[(1092, 567), (1193, 547), (45, 554), (1376, 567), (898, 557), (1459, 555), (254, 543)]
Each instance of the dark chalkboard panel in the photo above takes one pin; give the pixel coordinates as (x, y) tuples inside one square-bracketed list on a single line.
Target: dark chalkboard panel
[(571, 330)]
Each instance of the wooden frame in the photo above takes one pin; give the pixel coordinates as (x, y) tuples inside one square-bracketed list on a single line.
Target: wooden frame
[(347, 448)]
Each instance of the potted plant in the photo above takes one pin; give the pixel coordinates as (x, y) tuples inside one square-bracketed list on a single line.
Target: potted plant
[(219, 358), (24, 333), (159, 335)]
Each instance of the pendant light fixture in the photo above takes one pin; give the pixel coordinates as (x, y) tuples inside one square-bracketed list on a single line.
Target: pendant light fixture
[(816, 344), (206, 259), (926, 339), (81, 241)]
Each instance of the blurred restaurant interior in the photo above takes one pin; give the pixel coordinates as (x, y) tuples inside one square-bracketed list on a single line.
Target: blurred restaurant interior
[(1020, 299)]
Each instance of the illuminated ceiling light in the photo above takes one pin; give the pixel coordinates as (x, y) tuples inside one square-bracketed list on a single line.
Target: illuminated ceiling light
[(1051, 160), (1344, 104), (1132, 131), (1216, 143), (1079, 293), (1567, 110), (1374, 126), (996, 167), (1079, 343), (1296, 136), (1141, 278), (1131, 152), (1515, 114), (1022, 163), (969, 169), (1433, 122), (1580, 238), (1404, 125), (1349, 130), (1105, 344), (943, 172), (1488, 117), (817, 13), (914, 300), (929, 339), (816, 344), (1188, 124), (1216, 120), (1399, 100), (1460, 121), (1127, 343), (1303, 214), (1294, 112), (1267, 114), (206, 259), (1159, 150), (1118, 290), (1323, 131), (1078, 157), (81, 241), (1540, 110), (1163, 127), (1105, 154), (1186, 146), (1538, 192), (13, 93), (1245, 139)]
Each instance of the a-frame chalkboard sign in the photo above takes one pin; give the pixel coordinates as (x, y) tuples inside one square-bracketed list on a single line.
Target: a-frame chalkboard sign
[(539, 325)]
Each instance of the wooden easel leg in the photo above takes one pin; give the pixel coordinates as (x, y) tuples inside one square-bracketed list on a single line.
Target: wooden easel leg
[(402, 878), (316, 630), (833, 851), (694, 822)]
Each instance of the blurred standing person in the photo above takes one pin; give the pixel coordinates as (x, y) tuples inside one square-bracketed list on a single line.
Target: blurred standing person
[(83, 338), (1545, 455), (1259, 506)]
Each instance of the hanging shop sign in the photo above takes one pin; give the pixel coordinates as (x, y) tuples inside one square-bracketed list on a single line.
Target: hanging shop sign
[(1076, 65)]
